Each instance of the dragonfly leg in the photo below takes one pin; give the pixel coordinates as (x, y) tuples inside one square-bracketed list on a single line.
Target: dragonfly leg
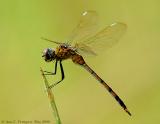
[(62, 73), (52, 73)]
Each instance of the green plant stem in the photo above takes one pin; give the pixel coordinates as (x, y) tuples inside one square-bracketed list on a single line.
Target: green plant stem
[(51, 98)]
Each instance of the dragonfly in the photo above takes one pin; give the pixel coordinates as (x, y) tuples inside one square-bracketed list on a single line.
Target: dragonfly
[(84, 40)]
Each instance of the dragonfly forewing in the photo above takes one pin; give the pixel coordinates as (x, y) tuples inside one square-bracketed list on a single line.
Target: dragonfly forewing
[(86, 27)]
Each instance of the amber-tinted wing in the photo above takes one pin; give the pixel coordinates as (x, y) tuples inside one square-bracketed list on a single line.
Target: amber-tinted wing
[(86, 27), (102, 40)]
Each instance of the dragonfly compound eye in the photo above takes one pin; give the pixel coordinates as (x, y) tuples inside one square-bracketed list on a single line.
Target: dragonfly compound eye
[(48, 54)]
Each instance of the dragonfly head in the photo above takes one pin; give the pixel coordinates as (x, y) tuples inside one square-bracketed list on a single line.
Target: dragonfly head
[(48, 54)]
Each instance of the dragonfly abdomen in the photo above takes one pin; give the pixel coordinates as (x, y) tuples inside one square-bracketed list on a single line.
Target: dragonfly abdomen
[(78, 59), (108, 88)]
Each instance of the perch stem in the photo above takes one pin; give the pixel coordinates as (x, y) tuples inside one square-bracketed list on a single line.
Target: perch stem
[(51, 98)]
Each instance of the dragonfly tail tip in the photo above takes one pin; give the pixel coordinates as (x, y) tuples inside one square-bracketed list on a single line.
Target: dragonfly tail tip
[(128, 111)]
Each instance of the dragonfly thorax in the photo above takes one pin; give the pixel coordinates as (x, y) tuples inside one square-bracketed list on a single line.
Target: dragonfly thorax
[(49, 54)]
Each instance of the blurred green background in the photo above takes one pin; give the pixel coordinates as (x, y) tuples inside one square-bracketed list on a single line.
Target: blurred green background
[(131, 67)]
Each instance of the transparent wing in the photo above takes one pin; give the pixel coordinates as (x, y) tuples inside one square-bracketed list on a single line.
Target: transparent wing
[(85, 28), (102, 40)]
